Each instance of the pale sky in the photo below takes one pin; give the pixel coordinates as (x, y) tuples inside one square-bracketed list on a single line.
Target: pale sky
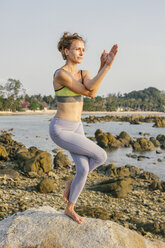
[(31, 29)]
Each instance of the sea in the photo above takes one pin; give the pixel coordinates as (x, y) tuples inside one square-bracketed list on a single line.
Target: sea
[(33, 130)]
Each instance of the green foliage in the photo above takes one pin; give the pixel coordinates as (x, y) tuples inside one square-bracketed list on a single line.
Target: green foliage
[(12, 95), (34, 105), (150, 99)]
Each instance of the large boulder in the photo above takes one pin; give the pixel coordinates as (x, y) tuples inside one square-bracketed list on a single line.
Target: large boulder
[(34, 160), (46, 227)]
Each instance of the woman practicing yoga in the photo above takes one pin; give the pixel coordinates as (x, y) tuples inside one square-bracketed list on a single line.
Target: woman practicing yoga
[(66, 128)]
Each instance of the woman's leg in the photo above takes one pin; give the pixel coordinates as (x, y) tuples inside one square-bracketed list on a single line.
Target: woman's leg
[(84, 165), (86, 154)]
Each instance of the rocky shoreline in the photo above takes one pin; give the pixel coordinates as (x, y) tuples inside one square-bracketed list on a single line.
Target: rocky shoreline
[(142, 144), (127, 195), (159, 121)]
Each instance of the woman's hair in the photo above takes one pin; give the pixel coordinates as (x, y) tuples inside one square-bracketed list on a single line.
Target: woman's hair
[(66, 41)]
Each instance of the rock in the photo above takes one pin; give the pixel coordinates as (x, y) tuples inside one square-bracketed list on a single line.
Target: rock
[(118, 187), (106, 140), (132, 155), (159, 123), (155, 141), (52, 174), (161, 138), (102, 140), (56, 150), (34, 160), (9, 173), (46, 227), (61, 160), (140, 159), (3, 153), (133, 170), (98, 132), (112, 171), (94, 212), (163, 185), (124, 139), (46, 186), (143, 144), (162, 145), (32, 174), (135, 122), (146, 134), (149, 176), (158, 151), (112, 141), (157, 185), (152, 227)]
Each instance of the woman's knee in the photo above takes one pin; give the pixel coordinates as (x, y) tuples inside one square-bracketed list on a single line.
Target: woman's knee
[(102, 156), (82, 171)]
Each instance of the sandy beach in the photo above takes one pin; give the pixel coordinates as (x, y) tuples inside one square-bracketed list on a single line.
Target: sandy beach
[(51, 112)]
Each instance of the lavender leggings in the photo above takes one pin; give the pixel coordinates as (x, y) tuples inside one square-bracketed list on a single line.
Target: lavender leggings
[(85, 153)]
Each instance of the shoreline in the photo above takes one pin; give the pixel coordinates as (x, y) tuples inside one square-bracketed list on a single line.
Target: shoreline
[(51, 112)]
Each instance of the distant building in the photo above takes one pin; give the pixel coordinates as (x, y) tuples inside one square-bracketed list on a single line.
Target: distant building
[(25, 105)]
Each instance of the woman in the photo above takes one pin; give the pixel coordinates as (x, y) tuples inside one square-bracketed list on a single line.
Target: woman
[(66, 128)]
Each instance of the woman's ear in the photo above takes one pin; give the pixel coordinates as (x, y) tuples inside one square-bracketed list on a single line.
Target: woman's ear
[(66, 51)]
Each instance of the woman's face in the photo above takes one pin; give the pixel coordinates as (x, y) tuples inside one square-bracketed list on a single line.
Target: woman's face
[(76, 51)]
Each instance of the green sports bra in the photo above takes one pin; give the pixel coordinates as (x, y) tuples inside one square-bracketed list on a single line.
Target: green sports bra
[(65, 94)]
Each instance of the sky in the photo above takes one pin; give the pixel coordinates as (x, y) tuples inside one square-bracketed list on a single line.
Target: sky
[(31, 29)]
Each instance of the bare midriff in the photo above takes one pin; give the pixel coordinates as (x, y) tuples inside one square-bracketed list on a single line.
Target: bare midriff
[(69, 111)]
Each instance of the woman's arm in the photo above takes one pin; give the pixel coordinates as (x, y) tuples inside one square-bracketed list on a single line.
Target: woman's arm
[(64, 78), (94, 83)]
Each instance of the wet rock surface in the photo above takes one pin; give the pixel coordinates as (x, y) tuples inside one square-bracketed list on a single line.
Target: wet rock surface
[(142, 144)]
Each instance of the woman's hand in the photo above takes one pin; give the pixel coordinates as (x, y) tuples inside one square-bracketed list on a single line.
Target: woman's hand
[(111, 55), (103, 58)]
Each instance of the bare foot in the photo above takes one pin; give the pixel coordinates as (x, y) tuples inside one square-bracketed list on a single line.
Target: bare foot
[(67, 190), (73, 215)]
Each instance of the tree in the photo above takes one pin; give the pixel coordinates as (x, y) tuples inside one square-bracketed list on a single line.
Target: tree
[(1, 91), (34, 105), (14, 87)]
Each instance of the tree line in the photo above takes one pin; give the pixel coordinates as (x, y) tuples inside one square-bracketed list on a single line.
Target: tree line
[(13, 97)]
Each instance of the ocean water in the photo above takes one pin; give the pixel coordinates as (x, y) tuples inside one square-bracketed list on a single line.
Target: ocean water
[(33, 130)]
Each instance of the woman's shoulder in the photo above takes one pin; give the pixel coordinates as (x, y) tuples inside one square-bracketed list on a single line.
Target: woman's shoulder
[(86, 74), (60, 74)]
